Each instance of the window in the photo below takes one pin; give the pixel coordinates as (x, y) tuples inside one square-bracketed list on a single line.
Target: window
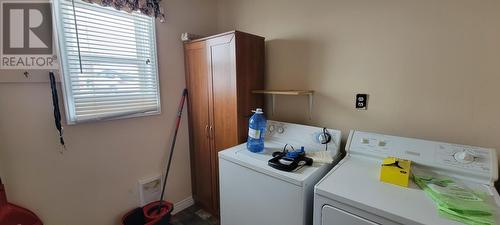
[(108, 62)]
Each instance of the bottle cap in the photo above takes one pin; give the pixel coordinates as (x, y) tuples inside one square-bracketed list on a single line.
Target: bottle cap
[(258, 111)]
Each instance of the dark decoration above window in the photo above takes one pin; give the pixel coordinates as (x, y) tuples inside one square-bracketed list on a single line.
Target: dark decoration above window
[(147, 7)]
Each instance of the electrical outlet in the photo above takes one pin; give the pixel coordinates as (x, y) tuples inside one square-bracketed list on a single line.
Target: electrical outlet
[(362, 101), (149, 190)]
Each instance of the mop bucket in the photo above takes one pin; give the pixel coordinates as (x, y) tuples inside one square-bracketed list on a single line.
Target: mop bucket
[(11, 214), (149, 214)]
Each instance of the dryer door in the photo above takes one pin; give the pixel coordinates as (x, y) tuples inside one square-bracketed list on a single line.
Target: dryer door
[(334, 216)]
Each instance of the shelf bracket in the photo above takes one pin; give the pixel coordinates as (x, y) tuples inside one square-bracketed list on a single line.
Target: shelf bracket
[(273, 102), (310, 105)]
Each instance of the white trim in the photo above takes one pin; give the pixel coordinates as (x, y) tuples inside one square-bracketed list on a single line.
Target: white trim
[(60, 46), (183, 204)]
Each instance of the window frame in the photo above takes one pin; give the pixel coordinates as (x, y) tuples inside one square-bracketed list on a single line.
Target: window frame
[(66, 80)]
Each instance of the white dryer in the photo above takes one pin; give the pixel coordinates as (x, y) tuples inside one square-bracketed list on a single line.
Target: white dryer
[(351, 193), (252, 192)]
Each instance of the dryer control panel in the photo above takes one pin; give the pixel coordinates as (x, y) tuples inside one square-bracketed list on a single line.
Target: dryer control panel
[(460, 159)]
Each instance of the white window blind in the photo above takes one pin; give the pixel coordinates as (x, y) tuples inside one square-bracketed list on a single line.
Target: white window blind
[(108, 60)]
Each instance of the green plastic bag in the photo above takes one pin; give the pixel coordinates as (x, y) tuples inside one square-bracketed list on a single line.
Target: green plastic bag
[(455, 200)]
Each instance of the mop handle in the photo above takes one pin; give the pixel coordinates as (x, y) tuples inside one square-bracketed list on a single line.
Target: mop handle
[(179, 115)]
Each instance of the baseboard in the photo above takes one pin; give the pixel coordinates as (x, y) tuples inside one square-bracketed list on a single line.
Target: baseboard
[(183, 204)]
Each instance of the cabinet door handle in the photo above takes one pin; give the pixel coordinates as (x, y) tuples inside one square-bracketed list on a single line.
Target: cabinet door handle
[(211, 132), (207, 132)]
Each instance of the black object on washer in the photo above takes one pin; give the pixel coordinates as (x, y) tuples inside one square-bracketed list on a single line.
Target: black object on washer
[(289, 160)]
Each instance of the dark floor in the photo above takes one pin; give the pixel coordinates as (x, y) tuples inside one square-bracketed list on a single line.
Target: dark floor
[(193, 216)]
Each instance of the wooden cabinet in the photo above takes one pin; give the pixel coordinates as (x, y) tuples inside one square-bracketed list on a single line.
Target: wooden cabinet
[(221, 72)]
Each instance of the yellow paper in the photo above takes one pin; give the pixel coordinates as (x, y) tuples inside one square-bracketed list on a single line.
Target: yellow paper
[(395, 171)]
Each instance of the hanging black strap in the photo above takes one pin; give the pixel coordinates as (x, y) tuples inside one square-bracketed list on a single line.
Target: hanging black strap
[(55, 103)]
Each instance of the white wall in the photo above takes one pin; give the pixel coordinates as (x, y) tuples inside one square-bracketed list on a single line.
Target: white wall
[(432, 68), (95, 181)]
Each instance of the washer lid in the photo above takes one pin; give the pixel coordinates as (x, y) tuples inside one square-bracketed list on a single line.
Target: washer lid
[(258, 162), (355, 182)]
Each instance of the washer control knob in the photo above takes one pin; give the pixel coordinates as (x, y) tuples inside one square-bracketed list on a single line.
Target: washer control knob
[(271, 128), (281, 130), (365, 140), (323, 139), (464, 157), (382, 143)]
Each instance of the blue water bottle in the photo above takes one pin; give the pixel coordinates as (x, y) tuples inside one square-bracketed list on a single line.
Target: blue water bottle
[(256, 131)]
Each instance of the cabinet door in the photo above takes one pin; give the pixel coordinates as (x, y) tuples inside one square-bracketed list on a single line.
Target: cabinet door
[(224, 99), (197, 79)]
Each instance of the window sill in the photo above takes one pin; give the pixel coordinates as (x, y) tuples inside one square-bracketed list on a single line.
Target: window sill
[(155, 113)]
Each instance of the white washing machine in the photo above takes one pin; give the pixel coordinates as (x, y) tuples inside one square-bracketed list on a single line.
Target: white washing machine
[(351, 192), (252, 192)]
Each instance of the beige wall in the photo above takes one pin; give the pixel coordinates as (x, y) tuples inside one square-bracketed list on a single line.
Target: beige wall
[(432, 68), (95, 181)]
